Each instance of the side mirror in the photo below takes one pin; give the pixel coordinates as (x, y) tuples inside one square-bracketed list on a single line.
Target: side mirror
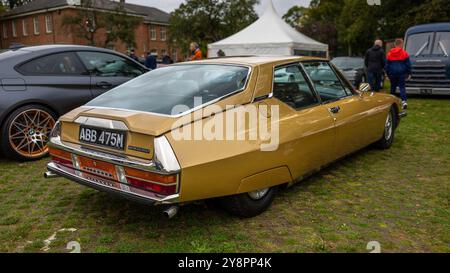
[(364, 87)]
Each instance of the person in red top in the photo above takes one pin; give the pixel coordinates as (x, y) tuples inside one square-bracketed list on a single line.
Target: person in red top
[(196, 52), (398, 69)]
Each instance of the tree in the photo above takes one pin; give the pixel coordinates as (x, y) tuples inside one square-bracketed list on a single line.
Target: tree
[(294, 16), (207, 21), (350, 26), (13, 3), (89, 21), (319, 21)]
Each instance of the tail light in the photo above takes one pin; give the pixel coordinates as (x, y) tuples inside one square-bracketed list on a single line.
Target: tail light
[(154, 182), (60, 157), (158, 183)]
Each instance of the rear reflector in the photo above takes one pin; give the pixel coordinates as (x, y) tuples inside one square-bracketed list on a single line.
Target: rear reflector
[(99, 168)]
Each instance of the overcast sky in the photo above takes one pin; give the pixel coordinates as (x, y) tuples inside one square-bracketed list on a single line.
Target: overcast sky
[(169, 5)]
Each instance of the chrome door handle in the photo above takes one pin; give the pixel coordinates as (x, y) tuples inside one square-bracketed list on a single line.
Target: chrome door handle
[(335, 109)]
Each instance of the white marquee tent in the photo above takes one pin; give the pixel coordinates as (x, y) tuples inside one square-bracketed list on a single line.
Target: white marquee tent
[(269, 35)]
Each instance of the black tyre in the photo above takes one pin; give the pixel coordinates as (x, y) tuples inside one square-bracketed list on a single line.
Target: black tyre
[(389, 131), (25, 132), (247, 205)]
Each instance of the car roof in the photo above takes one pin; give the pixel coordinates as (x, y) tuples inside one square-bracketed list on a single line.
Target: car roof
[(428, 28), (61, 47), (254, 60)]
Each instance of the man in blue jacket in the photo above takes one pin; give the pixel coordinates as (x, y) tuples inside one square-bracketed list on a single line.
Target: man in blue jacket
[(151, 61), (398, 69)]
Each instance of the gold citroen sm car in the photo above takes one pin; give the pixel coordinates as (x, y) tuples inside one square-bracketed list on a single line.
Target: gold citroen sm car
[(234, 129)]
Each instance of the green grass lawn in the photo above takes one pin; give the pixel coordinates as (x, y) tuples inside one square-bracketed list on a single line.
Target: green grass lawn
[(398, 197)]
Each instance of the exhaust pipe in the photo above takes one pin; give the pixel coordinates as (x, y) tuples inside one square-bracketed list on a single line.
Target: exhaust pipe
[(50, 174), (171, 211)]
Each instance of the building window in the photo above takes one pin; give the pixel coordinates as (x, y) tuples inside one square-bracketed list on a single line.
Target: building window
[(36, 25), (5, 31), (48, 24), (14, 30), (163, 52), (152, 33), (174, 55), (25, 27), (163, 33)]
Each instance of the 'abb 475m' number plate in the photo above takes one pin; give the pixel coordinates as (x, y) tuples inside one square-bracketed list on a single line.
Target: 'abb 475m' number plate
[(109, 138)]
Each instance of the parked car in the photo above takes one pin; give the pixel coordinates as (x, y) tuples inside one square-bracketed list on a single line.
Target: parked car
[(40, 83), (429, 48), (353, 69), (126, 141)]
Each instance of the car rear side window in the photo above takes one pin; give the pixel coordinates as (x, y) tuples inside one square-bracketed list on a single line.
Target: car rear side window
[(109, 65), (65, 63), (325, 80), (291, 87)]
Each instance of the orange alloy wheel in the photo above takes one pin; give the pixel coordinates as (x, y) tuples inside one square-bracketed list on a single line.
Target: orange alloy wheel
[(29, 131)]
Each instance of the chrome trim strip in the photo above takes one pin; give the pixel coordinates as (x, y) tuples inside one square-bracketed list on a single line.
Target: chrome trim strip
[(52, 167), (164, 155), (101, 122)]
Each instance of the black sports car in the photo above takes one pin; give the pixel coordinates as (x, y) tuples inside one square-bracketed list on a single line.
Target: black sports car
[(40, 83)]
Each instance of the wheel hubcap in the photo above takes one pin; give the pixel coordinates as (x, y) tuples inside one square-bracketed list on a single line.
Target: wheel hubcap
[(258, 194), (29, 132), (388, 127)]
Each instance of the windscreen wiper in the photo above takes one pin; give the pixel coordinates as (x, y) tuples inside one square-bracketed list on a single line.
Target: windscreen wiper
[(422, 48), (443, 48)]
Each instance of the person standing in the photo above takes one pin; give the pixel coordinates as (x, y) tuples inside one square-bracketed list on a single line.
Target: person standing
[(133, 55), (375, 62), (196, 52), (151, 61), (398, 69)]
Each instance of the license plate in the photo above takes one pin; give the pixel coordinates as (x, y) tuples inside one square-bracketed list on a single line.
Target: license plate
[(104, 137)]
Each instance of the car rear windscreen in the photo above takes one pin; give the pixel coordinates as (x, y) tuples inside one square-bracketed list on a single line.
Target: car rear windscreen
[(175, 89)]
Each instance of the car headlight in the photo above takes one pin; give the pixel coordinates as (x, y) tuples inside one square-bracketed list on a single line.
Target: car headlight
[(56, 131)]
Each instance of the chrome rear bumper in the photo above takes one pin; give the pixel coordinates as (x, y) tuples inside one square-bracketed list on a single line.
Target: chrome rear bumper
[(131, 194)]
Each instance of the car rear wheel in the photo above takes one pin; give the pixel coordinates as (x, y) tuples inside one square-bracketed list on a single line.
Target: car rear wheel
[(249, 204), (25, 132), (389, 130)]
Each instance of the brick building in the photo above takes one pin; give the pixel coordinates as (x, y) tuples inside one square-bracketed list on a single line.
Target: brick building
[(40, 22)]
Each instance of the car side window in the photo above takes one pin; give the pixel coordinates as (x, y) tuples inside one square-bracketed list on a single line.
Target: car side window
[(66, 63), (291, 87), (109, 65), (325, 80)]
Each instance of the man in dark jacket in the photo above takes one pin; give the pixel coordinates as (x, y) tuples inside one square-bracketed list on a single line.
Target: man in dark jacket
[(151, 61), (375, 62), (398, 69)]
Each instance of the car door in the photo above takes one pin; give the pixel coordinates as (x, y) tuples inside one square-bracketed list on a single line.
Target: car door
[(108, 70), (351, 113), (60, 78), (307, 131)]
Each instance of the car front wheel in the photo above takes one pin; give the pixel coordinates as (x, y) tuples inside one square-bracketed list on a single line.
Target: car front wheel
[(25, 132), (389, 130), (249, 204)]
